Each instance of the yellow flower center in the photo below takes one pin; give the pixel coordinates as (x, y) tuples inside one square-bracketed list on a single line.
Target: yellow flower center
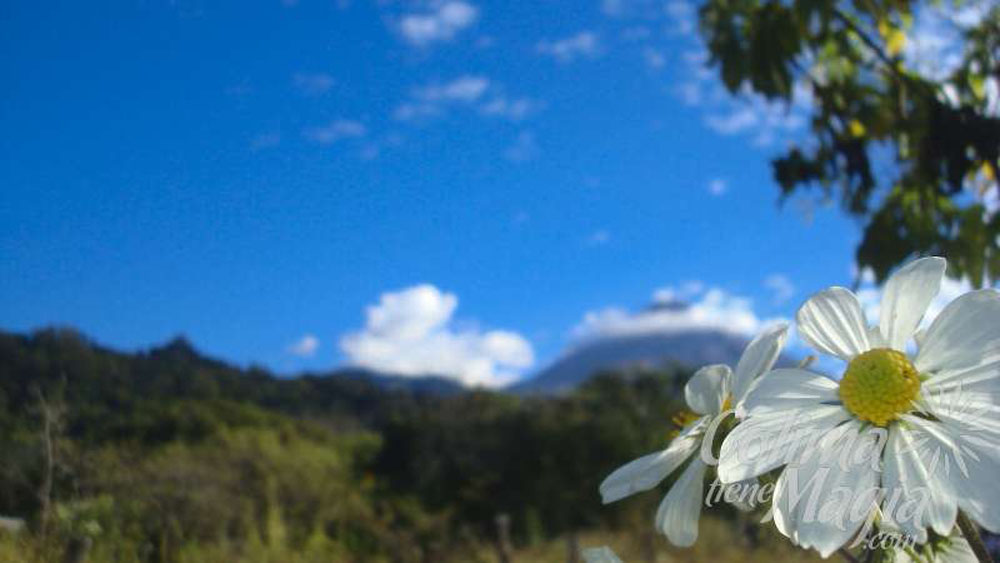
[(879, 385)]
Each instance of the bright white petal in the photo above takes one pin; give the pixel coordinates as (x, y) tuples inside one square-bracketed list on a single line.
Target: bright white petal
[(981, 378), (601, 554), (923, 499), (762, 443), (969, 462), (821, 503), (875, 339), (785, 389), (967, 397), (758, 359), (707, 389), (647, 471), (678, 514), (965, 334), (907, 294), (833, 322)]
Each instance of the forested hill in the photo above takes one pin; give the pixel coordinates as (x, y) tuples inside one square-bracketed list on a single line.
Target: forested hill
[(175, 455), (89, 375)]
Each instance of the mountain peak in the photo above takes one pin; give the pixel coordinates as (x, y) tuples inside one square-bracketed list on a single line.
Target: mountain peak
[(666, 306)]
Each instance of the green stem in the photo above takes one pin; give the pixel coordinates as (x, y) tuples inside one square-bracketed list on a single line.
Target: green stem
[(847, 555), (971, 533)]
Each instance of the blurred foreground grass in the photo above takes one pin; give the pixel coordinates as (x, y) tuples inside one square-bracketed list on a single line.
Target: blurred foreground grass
[(720, 541)]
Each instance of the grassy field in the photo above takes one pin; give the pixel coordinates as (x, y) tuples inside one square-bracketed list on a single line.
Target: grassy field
[(720, 541)]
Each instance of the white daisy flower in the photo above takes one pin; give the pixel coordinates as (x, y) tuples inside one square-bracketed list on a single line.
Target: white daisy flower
[(602, 554), (712, 390), (930, 422)]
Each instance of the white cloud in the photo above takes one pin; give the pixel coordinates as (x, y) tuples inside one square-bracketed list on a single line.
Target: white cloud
[(718, 187), (709, 309), (410, 332), (613, 8), (685, 292), (781, 287), (934, 43), (313, 84), (512, 109), (638, 9), (599, 238), (524, 148), (442, 22), (335, 131), (473, 91), (745, 113), (583, 44), (463, 89), (304, 347), (654, 59), (736, 121), (413, 111), (684, 16)]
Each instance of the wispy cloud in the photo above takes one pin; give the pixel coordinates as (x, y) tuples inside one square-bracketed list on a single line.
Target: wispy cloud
[(472, 91), (432, 100), (462, 89), (513, 109), (684, 16), (585, 44), (653, 58), (335, 131), (718, 187), (411, 332), (313, 84), (441, 22), (743, 114), (782, 289), (304, 347), (599, 237), (524, 148), (675, 310)]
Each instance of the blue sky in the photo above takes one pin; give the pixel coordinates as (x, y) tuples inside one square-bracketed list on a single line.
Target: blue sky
[(254, 174)]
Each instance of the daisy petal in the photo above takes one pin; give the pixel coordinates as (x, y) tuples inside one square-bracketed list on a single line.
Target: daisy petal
[(647, 471), (758, 358), (678, 514), (911, 458), (982, 378), (707, 389), (788, 388), (965, 334), (844, 493), (906, 297), (762, 443), (968, 462), (832, 321), (875, 339), (601, 554)]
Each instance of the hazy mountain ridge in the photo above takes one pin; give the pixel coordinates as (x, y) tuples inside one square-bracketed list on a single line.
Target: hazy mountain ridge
[(690, 349)]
